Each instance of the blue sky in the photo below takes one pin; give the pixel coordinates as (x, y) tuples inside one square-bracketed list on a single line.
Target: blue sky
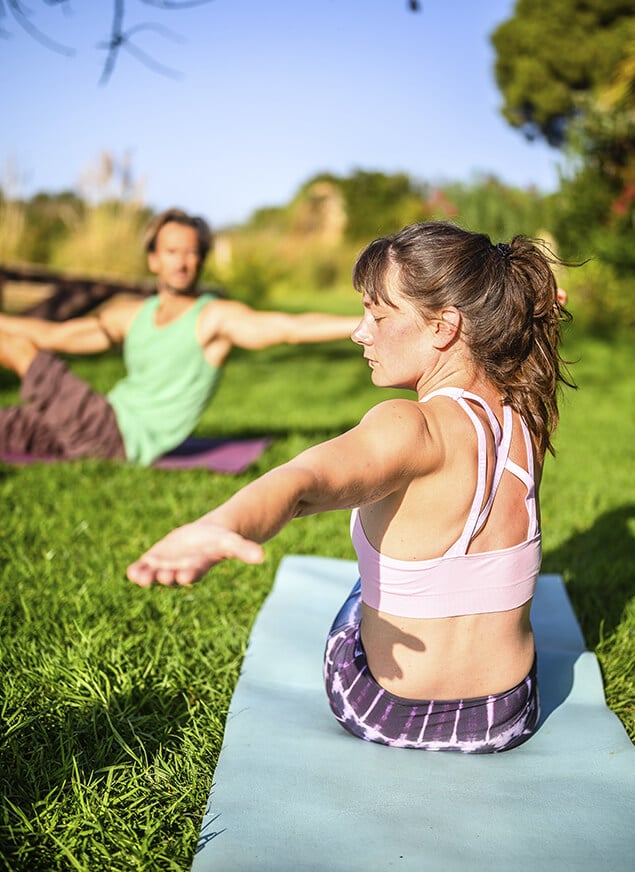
[(270, 93)]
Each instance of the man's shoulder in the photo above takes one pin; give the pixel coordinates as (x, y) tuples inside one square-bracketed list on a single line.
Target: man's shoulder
[(119, 313), (219, 309), (212, 298)]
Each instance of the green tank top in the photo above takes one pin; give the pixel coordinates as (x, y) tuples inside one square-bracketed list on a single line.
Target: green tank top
[(167, 386)]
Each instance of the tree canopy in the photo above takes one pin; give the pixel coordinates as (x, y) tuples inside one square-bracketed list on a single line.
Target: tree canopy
[(555, 55), (566, 70)]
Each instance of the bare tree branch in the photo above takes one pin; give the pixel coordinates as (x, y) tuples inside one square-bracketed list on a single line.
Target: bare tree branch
[(124, 42), (115, 41), (158, 28), (175, 4), (120, 38), (21, 15)]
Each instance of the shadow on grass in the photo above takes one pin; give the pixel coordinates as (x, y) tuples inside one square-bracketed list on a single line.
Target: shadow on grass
[(8, 380), (53, 749), (598, 568), (57, 762)]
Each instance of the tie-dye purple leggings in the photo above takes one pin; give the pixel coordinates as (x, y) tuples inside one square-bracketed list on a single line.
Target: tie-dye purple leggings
[(478, 725)]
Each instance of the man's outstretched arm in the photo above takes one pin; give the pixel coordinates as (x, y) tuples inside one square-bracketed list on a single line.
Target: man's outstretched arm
[(86, 335), (249, 328)]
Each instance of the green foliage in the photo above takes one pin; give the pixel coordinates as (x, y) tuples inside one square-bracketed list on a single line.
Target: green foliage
[(299, 239), (49, 219), (552, 52), (566, 70), (95, 233), (377, 204), (250, 280), (582, 204), (105, 240), (270, 218), (321, 270), (491, 207), (602, 303), (254, 268), (13, 223), (590, 222)]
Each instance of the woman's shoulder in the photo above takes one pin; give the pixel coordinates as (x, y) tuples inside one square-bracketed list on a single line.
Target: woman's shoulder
[(395, 433), (399, 427), (447, 421), (430, 418), (396, 412)]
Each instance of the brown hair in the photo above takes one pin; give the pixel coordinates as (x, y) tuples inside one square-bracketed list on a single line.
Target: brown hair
[(507, 296), (178, 216)]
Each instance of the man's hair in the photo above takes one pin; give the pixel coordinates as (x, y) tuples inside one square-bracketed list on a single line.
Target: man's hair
[(178, 216)]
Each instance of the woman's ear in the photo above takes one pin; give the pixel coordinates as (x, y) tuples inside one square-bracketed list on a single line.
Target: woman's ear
[(447, 327)]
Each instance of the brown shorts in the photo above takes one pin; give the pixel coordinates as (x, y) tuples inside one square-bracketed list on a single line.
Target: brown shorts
[(61, 416)]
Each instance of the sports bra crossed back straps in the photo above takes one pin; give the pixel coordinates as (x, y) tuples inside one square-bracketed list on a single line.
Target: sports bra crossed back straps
[(458, 583)]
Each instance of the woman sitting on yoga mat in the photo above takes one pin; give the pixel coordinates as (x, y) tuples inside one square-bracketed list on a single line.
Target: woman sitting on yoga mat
[(434, 647)]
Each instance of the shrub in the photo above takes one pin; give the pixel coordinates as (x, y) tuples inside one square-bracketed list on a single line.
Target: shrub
[(602, 303)]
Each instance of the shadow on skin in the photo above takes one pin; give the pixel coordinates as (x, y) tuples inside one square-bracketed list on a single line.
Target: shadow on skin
[(393, 636)]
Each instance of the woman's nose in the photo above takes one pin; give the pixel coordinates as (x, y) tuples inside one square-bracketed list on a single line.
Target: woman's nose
[(360, 333)]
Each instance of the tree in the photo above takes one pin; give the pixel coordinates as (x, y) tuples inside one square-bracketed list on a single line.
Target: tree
[(566, 69), (555, 56)]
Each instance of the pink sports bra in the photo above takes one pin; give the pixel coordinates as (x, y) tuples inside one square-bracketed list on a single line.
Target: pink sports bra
[(458, 583)]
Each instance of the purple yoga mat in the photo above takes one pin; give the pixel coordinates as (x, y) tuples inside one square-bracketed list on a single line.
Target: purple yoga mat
[(230, 456), (219, 455)]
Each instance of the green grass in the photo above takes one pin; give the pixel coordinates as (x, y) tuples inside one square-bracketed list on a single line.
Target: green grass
[(113, 698)]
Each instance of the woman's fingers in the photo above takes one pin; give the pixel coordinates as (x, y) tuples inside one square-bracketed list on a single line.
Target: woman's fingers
[(188, 552)]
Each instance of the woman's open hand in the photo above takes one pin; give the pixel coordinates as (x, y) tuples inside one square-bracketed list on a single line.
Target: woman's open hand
[(188, 552)]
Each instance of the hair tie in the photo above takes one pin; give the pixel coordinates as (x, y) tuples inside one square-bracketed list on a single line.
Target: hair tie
[(503, 248)]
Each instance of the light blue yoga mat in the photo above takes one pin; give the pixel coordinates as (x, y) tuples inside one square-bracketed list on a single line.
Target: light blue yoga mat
[(293, 791)]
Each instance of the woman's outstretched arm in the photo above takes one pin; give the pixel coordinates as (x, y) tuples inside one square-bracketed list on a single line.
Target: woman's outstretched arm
[(361, 466)]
